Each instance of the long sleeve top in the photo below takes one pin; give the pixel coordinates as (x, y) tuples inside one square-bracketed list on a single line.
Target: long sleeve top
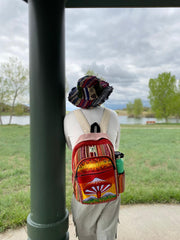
[(72, 128)]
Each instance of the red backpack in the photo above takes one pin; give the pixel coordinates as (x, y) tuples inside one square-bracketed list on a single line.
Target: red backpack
[(94, 172)]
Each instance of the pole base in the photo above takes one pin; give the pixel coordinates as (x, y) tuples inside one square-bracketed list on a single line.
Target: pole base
[(52, 231), (65, 238)]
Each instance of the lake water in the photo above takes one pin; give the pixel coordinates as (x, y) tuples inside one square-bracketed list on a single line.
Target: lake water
[(20, 120), (126, 120), (25, 120)]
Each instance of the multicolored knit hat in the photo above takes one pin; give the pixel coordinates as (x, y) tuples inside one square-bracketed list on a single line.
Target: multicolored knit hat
[(90, 92)]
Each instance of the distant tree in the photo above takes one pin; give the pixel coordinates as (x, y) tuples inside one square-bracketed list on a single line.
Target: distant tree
[(19, 109), (146, 109), (129, 108), (176, 103), (92, 73), (15, 75), (4, 95), (137, 108), (66, 86), (161, 94)]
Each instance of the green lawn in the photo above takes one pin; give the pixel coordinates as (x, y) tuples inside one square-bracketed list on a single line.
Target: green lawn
[(152, 165), (14, 176)]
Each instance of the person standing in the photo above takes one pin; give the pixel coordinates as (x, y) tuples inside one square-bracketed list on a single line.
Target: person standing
[(98, 221)]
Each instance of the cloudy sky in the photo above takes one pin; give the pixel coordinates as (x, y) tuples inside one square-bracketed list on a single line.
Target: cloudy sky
[(126, 47)]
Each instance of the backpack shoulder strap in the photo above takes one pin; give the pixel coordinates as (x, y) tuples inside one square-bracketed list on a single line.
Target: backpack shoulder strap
[(85, 126), (82, 121), (105, 121)]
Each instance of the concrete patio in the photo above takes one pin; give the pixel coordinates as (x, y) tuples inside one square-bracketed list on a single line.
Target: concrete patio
[(137, 222)]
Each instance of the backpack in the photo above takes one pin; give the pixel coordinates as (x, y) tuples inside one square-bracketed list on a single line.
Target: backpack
[(94, 172)]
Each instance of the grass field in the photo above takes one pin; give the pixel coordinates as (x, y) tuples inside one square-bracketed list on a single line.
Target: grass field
[(152, 165)]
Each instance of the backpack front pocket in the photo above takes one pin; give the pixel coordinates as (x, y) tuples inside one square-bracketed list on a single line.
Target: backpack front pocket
[(97, 183)]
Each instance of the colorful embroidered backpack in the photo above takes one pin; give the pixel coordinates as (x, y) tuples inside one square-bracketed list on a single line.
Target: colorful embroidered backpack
[(94, 173)]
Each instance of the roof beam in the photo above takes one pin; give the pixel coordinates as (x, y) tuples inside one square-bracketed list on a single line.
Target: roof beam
[(120, 3)]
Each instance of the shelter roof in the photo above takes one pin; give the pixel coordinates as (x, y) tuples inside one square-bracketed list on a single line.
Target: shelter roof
[(120, 3)]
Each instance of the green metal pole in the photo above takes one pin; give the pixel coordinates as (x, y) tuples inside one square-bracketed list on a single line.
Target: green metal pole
[(48, 219)]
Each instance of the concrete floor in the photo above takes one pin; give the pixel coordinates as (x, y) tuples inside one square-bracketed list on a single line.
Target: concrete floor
[(137, 222)]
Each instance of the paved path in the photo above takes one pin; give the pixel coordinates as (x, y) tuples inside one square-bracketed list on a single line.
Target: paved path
[(137, 222)]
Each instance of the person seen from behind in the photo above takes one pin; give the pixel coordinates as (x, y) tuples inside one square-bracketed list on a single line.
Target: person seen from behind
[(93, 221)]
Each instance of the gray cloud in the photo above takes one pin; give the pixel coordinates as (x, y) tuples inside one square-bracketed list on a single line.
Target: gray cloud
[(125, 46), (13, 30), (114, 74)]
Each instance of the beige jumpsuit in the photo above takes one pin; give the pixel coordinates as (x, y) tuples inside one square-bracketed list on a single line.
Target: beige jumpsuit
[(94, 222)]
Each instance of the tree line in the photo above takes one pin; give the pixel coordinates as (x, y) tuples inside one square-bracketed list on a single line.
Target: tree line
[(164, 92)]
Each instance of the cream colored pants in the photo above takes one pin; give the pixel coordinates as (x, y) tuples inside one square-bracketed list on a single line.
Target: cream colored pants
[(96, 222)]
